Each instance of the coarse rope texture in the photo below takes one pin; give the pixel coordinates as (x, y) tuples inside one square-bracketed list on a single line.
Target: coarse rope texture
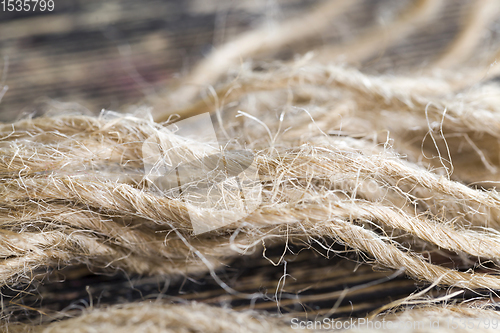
[(74, 188), (400, 169)]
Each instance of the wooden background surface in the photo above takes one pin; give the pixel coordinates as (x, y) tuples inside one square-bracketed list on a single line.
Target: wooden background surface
[(107, 54)]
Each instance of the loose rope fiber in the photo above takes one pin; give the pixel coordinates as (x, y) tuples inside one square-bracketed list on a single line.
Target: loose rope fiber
[(74, 188)]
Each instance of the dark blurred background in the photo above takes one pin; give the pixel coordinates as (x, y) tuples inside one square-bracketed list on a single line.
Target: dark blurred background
[(104, 54), (107, 54)]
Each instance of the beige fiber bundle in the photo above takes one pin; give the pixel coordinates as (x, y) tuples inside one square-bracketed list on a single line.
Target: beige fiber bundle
[(401, 170), (363, 161), (76, 183)]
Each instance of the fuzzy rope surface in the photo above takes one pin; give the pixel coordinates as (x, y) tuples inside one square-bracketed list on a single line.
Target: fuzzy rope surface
[(74, 188)]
